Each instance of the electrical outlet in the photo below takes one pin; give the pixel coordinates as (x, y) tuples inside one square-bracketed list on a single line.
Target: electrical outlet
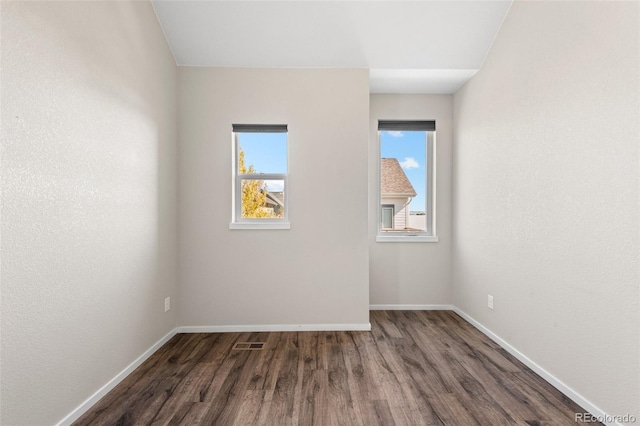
[(167, 304), (490, 301)]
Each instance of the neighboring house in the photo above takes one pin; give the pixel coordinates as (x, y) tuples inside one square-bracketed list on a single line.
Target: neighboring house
[(396, 194), (275, 202)]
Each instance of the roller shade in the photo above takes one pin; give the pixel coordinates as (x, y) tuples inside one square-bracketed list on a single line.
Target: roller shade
[(408, 125), (260, 128)]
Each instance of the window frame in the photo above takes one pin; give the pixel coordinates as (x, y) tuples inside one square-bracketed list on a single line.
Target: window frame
[(237, 221), (429, 234)]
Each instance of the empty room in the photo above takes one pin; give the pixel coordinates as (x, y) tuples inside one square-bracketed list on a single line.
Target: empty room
[(320, 212)]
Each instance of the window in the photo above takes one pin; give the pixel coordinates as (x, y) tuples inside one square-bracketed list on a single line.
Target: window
[(406, 186), (260, 177), (387, 216)]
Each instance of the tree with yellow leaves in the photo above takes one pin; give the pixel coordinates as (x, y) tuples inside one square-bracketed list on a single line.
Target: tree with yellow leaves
[(254, 195)]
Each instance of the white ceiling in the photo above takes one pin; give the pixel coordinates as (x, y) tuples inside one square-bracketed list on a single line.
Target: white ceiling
[(410, 46)]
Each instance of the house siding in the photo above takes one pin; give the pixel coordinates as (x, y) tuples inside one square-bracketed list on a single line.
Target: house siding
[(401, 213)]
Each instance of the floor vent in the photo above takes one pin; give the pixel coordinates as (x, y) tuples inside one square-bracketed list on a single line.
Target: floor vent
[(248, 346)]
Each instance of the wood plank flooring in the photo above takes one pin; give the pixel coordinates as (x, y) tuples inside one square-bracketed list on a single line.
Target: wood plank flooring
[(413, 368)]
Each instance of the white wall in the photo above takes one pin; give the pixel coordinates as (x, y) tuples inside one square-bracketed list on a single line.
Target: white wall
[(546, 194), (316, 272), (412, 273), (88, 199), (418, 221)]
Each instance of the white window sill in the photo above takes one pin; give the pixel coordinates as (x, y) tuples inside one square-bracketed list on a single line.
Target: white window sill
[(406, 239), (254, 225)]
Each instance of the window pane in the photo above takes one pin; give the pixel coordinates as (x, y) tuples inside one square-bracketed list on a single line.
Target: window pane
[(262, 199), (403, 179), (262, 153), (387, 217)]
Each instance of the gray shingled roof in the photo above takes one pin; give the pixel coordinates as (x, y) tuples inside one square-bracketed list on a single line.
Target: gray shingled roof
[(394, 181)]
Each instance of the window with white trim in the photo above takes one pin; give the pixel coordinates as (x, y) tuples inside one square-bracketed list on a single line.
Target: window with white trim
[(406, 195), (260, 165)]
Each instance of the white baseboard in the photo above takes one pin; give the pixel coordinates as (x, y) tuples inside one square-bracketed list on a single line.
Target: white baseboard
[(273, 327), (410, 307), (550, 378), (82, 408)]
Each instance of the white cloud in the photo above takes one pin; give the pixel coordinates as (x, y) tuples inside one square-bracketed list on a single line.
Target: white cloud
[(409, 163), (395, 133)]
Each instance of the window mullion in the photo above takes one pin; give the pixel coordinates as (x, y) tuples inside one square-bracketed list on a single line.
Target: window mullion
[(263, 176)]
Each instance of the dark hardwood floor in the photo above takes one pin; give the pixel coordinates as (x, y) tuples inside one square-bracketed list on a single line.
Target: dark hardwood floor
[(413, 368)]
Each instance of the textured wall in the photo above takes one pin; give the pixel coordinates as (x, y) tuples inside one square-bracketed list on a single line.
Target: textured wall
[(412, 273), (546, 194), (316, 272), (88, 199)]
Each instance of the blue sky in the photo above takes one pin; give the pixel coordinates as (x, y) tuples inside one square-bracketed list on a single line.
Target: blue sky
[(410, 150), (266, 151)]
